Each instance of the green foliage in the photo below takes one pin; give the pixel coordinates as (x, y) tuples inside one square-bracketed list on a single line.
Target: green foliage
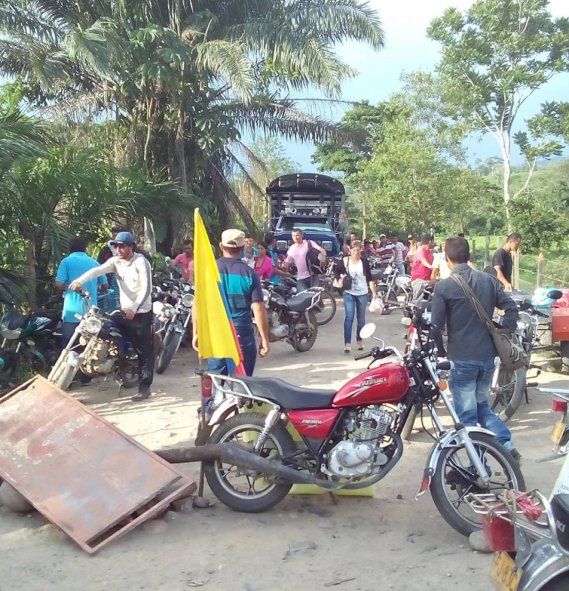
[(494, 57), (408, 186), (186, 77), (359, 127), (541, 222)]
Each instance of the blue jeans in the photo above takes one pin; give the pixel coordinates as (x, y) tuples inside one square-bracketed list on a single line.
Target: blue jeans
[(307, 283), (246, 336), (354, 305), (470, 383)]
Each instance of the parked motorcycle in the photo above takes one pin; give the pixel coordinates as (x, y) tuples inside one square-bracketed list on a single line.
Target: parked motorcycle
[(531, 534), (350, 438), (292, 319), (34, 337), (509, 387), (325, 308), (105, 350), (175, 321)]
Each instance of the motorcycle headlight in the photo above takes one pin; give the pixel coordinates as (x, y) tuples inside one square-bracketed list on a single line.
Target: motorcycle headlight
[(266, 295), (11, 334), (92, 326), (187, 300)]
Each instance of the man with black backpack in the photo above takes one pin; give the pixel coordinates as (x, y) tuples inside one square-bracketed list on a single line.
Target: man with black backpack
[(306, 255)]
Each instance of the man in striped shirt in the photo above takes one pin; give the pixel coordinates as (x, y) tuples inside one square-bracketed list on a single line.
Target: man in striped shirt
[(134, 276)]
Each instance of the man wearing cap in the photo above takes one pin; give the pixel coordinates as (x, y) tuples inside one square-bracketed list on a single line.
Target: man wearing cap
[(242, 290), (134, 276)]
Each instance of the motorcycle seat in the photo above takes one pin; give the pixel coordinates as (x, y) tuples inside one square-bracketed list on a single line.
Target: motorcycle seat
[(300, 302), (288, 396), (14, 320)]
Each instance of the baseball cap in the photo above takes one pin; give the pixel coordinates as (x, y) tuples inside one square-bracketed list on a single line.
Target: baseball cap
[(382, 236), (123, 238), (233, 238)]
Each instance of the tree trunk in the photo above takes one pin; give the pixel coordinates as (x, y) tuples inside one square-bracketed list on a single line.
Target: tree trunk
[(504, 140)]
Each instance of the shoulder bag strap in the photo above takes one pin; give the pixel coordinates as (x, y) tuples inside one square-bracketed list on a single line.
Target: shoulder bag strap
[(473, 299)]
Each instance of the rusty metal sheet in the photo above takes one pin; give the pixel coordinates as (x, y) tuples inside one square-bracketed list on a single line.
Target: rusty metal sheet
[(80, 471)]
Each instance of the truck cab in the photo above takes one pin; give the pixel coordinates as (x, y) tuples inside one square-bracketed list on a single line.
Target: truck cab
[(313, 203)]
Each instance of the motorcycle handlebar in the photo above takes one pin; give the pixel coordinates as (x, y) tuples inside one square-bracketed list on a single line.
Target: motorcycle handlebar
[(376, 353)]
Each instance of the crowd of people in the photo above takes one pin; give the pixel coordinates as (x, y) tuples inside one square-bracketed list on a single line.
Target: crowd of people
[(243, 263)]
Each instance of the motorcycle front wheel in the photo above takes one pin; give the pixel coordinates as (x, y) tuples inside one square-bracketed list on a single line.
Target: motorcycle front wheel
[(511, 390), (327, 308), (246, 490), (304, 342), (455, 477), (171, 344), (63, 372)]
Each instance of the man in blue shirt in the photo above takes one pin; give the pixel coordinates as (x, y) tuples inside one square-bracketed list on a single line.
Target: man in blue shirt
[(69, 269), (242, 289)]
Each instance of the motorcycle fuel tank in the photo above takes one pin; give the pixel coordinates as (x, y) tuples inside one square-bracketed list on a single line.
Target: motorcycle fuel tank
[(386, 383)]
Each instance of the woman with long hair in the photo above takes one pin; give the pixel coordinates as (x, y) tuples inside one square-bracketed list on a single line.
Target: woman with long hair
[(354, 275)]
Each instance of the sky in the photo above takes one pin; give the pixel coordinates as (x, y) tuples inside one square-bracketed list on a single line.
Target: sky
[(406, 50)]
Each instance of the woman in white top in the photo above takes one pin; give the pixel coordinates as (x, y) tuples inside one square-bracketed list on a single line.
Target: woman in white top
[(355, 291)]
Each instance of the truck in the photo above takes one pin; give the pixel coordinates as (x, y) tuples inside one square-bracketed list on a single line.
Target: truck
[(314, 203)]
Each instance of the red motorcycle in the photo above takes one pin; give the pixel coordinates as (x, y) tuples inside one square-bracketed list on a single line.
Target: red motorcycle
[(350, 438)]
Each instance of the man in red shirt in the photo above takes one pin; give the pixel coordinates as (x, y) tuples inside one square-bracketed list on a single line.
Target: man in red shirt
[(185, 260), (422, 266)]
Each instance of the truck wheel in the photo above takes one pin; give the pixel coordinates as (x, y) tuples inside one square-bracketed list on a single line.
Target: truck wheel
[(564, 347)]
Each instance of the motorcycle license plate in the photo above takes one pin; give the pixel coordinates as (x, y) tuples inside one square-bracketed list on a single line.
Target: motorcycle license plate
[(505, 573), (557, 433)]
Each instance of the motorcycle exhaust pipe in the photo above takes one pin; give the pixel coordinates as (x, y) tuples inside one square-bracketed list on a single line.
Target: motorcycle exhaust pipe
[(232, 454)]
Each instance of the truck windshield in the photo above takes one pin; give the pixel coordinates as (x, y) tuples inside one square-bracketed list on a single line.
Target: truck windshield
[(305, 224)]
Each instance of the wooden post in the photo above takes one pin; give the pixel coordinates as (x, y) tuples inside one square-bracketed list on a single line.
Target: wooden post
[(487, 260), (516, 273), (540, 269)]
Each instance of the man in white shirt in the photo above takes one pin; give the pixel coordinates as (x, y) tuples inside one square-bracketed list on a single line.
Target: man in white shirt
[(134, 276), (297, 254)]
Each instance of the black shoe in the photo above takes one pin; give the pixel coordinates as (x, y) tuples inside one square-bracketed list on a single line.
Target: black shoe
[(143, 393)]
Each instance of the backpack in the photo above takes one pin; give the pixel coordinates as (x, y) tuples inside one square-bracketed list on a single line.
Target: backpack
[(313, 260)]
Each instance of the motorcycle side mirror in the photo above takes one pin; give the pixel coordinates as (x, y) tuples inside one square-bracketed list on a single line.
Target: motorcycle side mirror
[(367, 330), (554, 294)]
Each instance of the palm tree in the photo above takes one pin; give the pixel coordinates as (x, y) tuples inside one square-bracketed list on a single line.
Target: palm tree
[(187, 77)]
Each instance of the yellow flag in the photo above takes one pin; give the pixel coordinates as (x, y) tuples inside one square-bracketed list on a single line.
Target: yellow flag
[(216, 334)]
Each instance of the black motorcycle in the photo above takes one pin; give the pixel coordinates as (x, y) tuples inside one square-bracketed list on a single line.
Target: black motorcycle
[(34, 337), (293, 318)]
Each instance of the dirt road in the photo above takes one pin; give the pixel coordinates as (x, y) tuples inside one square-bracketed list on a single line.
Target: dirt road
[(386, 542)]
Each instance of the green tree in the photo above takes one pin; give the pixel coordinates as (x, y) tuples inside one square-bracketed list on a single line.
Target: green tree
[(187, 78), (360, 126), (494, 57), (408, 183)]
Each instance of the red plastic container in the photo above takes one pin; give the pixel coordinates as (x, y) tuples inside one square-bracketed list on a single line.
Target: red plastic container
[(558, 405), (499, 533)]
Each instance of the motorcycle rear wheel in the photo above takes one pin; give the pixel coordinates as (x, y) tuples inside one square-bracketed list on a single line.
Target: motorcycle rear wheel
[(305, 342), (455, 474), (171, 344), (512, 387), (328, 308), (234, 486)]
